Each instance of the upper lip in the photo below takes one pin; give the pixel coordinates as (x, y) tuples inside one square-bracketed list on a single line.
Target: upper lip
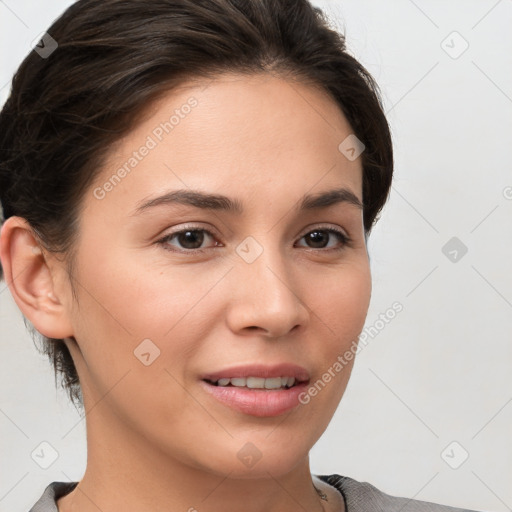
[(260, 370)]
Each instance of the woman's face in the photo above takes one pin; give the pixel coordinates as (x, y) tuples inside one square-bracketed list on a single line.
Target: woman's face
[(159, 312)]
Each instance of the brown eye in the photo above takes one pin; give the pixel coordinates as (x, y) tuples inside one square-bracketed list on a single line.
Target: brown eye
[(320, 237), (191, 240), (188, 239)]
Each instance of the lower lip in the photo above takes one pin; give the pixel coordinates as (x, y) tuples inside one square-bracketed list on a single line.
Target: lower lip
[(257, 402)]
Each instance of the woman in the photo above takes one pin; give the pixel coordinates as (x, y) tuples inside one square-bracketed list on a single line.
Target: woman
[(188, 188)]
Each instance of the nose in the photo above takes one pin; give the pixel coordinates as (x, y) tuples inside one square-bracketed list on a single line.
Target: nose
[(265, 297)]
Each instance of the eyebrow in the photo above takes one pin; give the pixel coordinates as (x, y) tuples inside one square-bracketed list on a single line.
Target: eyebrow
[(220, 202)]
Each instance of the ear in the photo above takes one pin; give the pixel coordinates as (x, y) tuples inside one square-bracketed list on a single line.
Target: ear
[(31, 279)]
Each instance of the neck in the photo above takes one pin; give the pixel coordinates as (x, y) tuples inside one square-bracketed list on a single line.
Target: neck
[(125, 471)]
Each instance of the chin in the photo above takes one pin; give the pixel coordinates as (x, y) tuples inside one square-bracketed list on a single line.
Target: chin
[(257, 458)]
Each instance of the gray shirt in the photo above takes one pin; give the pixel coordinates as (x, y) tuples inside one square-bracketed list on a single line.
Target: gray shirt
[(358, 497)]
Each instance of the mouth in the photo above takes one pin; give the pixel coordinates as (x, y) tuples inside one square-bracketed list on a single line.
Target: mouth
[(258, 390)]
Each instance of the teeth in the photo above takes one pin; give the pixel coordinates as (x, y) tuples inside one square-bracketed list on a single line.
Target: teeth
[(258, 382), (255, 382), (273, 383)]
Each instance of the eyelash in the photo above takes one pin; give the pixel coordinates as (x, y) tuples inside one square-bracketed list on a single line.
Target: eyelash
[(345, 240)]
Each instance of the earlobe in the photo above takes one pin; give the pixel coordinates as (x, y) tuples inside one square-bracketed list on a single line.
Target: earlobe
[(31, 280)]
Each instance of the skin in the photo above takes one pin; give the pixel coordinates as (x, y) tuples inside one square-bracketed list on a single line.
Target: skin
[(156, 441)]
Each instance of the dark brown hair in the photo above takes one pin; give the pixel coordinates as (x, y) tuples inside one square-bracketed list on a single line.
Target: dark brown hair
[(114, 57)]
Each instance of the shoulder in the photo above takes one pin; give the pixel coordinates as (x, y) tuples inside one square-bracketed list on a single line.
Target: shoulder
[(48, 501), (364, 497)]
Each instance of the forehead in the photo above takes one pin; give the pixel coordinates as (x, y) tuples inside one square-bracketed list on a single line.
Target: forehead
[(242, 135)]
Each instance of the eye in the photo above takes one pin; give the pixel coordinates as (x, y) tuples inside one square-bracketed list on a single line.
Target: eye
[(319, 236), (192, 238)]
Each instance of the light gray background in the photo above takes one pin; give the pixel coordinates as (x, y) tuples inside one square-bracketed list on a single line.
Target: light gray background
[(440, 370)]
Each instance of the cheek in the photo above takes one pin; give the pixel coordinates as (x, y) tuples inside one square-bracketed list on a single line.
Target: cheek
[(123, 302), (342, 302), (125, 299), (340, 307), (136, 334), (130, 314)]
